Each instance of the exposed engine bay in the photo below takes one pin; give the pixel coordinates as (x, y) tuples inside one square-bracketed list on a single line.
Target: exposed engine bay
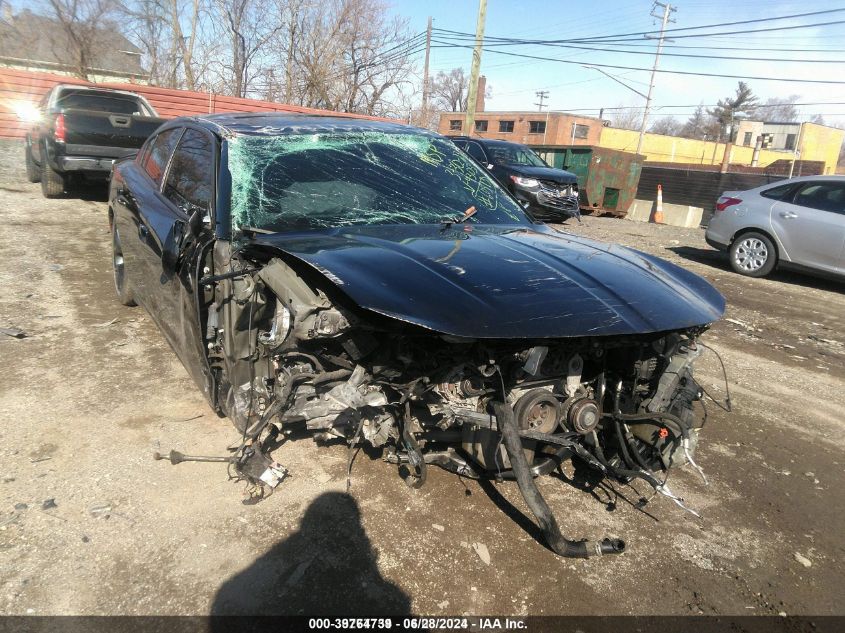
[(289, 350)]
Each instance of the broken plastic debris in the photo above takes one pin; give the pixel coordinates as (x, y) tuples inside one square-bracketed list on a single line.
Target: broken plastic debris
[(100, 510), (107, 323), (49, 504), (483, 554), (13, 332), (274, 475), (802, 559)]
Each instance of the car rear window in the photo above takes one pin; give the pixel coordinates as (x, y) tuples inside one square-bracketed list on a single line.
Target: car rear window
[(160, 150), (780, 192), (100, 103)]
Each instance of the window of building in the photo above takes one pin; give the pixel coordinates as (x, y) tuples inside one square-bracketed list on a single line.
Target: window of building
[(481, 126), (536, 127), (580, 131), (189, 181), (506, 126), (790, 141), (455, 125), (747, 139), (160, 150)]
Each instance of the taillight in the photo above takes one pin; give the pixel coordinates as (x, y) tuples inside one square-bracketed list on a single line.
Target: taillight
[(59, 128), (725, 201)]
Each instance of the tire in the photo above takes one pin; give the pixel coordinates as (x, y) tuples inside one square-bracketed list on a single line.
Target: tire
[(52, 182), (33, 174), (122, 286), (753, 254)]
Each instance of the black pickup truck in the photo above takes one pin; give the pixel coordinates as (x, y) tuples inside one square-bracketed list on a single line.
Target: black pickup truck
[(81, 131)]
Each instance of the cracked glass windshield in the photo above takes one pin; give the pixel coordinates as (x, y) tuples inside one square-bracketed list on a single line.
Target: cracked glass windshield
[(325, 180)]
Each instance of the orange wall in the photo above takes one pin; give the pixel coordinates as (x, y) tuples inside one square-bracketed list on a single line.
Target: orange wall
[(21, 90)]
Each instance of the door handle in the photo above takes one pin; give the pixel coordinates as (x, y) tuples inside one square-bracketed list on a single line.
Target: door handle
[(788, 215), (143, 231)]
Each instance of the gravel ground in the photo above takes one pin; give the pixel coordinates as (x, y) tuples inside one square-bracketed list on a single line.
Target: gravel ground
[(93, 390)]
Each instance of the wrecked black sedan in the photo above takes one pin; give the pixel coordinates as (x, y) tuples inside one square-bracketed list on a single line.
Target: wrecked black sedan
[(368, 281)]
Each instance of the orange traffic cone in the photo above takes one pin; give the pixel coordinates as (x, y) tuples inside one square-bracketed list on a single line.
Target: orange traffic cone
[(658, 210)]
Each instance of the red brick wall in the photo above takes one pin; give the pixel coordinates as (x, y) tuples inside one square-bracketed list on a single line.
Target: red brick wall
[(19, 87)]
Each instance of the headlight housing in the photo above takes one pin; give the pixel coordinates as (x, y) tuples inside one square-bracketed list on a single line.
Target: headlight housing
[(525, 182)]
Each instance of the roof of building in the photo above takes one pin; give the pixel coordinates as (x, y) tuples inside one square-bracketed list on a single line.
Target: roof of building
[(40, 41), (524, 113)]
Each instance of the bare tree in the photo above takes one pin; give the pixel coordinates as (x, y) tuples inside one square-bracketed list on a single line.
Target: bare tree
[(778, 109), (82, 23), (449, 91), (668, 126), (249, 26), (626, 118)]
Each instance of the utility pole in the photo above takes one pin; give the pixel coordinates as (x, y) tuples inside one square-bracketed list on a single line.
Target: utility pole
[(668, 9), (542, 94), (425, 73), (476, 66)]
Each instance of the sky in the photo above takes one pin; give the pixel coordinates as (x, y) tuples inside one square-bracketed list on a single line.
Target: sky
[(513, 81)]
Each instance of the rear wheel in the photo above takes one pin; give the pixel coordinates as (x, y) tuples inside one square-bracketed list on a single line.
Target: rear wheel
[(52, 182), (122, 286), (32, 172), (753, 254)]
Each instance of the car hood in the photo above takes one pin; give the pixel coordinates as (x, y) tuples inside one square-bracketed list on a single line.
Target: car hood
[(483, 281), (544, 173)]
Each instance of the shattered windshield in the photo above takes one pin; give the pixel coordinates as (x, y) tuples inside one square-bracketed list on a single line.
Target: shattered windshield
[(344, 178), (516, 155)]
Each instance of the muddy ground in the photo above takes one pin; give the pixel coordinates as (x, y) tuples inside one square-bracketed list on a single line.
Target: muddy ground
[(94, 390)]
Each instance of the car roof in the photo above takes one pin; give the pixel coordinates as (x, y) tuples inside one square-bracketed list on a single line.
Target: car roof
[(284, 123), (76, 87), (486, 141)]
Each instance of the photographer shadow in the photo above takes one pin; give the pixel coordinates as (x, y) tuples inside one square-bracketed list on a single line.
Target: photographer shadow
[(328, 567)]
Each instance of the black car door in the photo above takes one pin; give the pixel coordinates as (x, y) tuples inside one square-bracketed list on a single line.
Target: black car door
[(143, 219), (186, 222)]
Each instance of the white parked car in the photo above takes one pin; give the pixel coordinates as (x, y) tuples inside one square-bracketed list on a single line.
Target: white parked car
[(797, 223)]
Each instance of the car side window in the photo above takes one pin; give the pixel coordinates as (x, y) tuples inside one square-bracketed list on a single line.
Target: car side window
[(189, 182), (475, 150), (461, 145), (781, 192), (825, 196), (160, 150)]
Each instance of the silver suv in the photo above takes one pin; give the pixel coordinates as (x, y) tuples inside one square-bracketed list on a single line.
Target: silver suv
[(797, 223)]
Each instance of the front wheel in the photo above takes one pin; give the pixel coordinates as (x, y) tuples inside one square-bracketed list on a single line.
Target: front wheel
[(122, 286), (753, 254)]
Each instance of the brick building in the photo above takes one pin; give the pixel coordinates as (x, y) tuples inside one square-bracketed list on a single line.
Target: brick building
[(534, 128)]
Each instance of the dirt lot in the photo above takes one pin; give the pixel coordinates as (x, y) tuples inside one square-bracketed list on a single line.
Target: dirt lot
[(93, 390)]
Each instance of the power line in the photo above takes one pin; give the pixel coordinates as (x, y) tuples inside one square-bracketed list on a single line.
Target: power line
[(639, 34), (671, 72), (730, 58)]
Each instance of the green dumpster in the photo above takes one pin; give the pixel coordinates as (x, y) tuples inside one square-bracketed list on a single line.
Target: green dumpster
[(607, 178)]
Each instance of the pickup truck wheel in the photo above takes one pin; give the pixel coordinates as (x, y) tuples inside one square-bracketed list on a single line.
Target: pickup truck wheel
[(121, 284), (32, 172), (52, 182)]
